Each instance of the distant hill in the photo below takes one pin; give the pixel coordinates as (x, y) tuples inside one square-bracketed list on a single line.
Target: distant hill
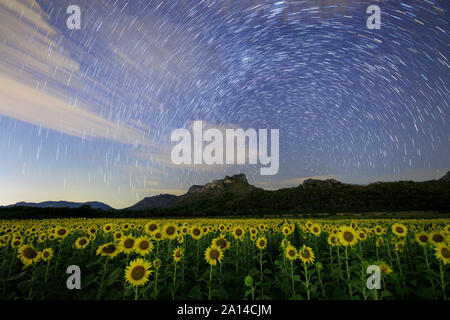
[(159, 201), (446, 178), (236, 185), (235, 196), (63, 204)]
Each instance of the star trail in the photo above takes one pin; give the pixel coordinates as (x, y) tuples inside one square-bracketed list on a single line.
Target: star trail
[(87, 114)]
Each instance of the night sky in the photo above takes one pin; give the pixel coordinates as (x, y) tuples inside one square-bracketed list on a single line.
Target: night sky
[(87, 114)]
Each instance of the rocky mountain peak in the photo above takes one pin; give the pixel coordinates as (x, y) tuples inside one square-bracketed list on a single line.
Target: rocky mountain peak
[(446, 178)]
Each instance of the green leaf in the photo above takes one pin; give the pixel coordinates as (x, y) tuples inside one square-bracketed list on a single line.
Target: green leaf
[(248, 281)]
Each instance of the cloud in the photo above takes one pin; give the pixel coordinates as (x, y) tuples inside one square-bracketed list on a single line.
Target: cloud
[(25, 103), (37, 75)]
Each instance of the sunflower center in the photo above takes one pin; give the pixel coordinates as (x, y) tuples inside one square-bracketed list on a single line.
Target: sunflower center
[(46, 254), (196, 232), (438, 238), (128, 243), (61, 232), (109, 248), (262, 243), (152, 227), (221, 243), (291, 253), (306, 254), (170, 230), (238, 232), (423, 238), (144, 245), (214, 254), (82, 242), (348, 236), (30, 253), (138, 273), (445, 253), (315, 230), (399, 229)]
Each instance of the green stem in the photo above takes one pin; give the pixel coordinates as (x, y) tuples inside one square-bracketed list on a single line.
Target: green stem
[(209, 285), (307, 281), (292, 278), (442, 280), (174, 281), (348, 272)]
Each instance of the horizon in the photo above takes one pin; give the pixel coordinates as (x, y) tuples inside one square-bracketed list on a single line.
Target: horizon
[(88, 112), (115, 208)]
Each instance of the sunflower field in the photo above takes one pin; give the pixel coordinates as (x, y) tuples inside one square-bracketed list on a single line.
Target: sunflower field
[(243, 259)]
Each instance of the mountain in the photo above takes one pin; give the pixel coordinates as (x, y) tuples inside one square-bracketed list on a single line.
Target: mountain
[(446, 178), (159, 201), (235, 196), (237, 185), (63, 204)]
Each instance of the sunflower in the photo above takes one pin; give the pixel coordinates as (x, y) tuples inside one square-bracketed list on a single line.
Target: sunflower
[(15, 243), (196, 232), (399, 246), (92, 230), (379, 242), (384, 268), (28, 254), (399, 229), (178, 254), (170, 231), (261, 243), (238, 233), (443, 253), (42, 237), (143, 246), (422, 238), (127, 244), (81, 243), (285, 243), (158, 236), (137, 273), (437, 238), (61, 232), (47, 254), (315, 229), (157, 263), (378, 230), (222, 243), (306, 254), (108, 250), (118, 235), (347, 236), (332, 240), (184, 230), (213, 254), (286, 230), (361, 235), (107, 228), (291, 252)]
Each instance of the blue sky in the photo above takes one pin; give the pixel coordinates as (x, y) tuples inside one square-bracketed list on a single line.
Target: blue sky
[(87, 114)]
